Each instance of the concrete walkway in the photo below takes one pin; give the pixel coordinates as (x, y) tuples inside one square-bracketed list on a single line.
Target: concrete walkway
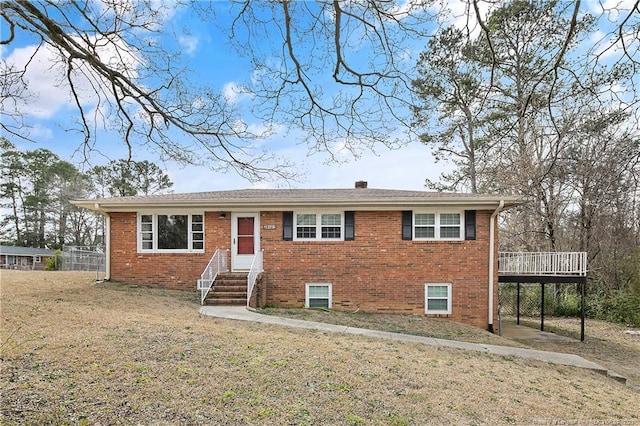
[(243, 314)]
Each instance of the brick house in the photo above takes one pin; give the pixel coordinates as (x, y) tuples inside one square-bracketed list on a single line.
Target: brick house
[(375, 250), (27, 258)]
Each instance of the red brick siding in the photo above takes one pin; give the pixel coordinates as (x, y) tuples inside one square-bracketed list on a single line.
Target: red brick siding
[(379, 271), (167, 270), (376, 272)]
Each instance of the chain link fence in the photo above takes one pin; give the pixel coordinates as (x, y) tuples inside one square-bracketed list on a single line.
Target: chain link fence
[(559, 299), (83, 258)]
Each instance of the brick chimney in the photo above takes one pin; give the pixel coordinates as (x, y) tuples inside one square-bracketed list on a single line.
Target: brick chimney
[(361, 184)]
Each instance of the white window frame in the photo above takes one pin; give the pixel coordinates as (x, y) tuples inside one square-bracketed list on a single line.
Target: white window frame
[(154, 221), (438, 225), (318, 225), (37, 259), (309, 285), (428, 311)]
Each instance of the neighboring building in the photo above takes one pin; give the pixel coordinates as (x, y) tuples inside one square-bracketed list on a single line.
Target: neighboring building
[(375, 250), (28, 258)]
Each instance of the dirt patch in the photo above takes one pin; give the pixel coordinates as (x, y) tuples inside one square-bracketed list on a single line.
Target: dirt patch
[(77, 352)]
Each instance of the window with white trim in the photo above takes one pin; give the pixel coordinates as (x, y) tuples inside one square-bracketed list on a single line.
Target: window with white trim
[(161, 233), (438, 226), (319, 226), (318, 296), (437, 298)]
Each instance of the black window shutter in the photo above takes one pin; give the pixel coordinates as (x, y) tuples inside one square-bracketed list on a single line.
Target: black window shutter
[(469, 224), (407, 225), (287, 226), (349, 226)]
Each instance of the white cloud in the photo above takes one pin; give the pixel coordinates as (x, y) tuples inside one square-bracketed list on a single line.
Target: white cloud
[(404, 168), (614, 9), (462, 14), (235, 93), (45, 76), (39, 133), (46, 96), (151, 15), (188, 43)]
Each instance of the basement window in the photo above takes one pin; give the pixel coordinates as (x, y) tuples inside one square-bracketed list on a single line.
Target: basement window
[(318, 296), (437, 299)]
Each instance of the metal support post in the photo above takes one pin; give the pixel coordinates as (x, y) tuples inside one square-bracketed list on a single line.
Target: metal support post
[(542, 309)]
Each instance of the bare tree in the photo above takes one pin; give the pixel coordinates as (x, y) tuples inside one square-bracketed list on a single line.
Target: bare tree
[(121, 78), (337, 73), (340, 70)]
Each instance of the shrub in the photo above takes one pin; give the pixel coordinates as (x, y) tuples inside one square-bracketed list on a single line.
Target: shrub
[(54, 263), (621, 306), (567, 304)]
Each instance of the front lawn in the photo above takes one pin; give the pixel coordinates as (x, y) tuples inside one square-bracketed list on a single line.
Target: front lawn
[(78, 352)]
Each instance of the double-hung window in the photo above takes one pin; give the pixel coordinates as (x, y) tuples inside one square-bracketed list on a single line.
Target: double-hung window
[(159, 232), (318, 296), (318, 226), (438, 226), (437, 299)]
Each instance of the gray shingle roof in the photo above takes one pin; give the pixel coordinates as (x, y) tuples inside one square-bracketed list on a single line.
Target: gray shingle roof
[(282, 198), (25, 251)]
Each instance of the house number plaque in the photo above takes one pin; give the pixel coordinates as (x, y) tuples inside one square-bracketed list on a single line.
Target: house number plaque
[(269, 227)]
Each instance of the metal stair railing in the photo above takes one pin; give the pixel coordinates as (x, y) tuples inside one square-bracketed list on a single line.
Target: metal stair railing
[(255, 270), (217, 264)]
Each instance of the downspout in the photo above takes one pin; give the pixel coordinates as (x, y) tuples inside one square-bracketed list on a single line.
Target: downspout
[(107, 247), (492, 233), (106, 235)]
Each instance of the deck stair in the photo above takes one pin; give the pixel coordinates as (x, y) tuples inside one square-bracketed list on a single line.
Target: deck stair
[(229, 288)]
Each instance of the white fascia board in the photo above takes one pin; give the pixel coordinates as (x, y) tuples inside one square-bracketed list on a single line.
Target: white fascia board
[(271, 205)]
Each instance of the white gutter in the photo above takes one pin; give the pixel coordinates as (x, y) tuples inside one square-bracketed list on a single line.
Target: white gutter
[(492, 233)]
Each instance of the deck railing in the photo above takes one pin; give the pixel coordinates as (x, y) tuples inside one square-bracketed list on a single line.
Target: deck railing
[(217, 264), (254, 271), (549, 264)]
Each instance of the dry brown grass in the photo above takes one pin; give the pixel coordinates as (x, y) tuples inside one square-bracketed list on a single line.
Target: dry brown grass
[(397, 323), (605, 343), (76, 352)]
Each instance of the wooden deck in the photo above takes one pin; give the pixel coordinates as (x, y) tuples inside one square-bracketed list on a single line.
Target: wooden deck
[(542, 267)]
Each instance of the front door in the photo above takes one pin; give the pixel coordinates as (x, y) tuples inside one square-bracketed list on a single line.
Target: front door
[(245, 240)]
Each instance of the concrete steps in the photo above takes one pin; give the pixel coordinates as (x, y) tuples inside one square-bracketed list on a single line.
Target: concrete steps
[(230, 289)]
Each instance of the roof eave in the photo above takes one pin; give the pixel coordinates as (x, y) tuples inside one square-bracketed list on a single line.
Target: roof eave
[(480, 203)]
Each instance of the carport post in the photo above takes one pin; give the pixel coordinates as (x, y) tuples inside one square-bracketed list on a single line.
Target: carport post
[(542, 309), (582, 309), (518, 303)]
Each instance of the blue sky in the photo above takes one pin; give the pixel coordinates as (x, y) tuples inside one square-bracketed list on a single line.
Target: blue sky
[(212, 61)]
